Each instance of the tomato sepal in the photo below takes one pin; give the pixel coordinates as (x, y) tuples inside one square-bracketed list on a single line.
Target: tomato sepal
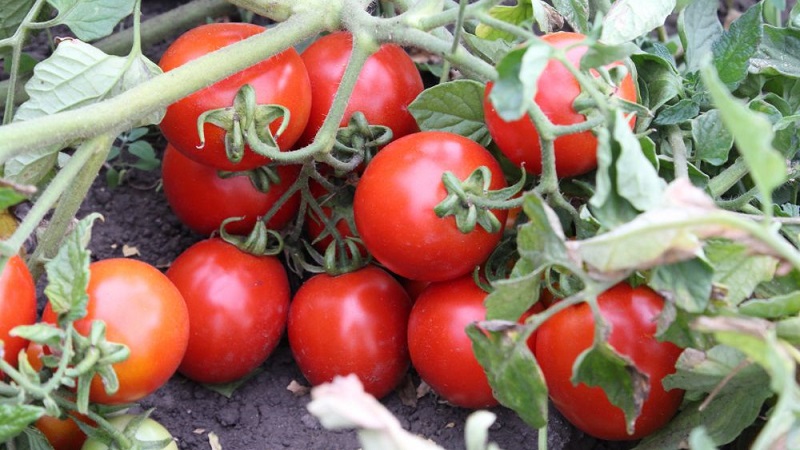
[(260, 242), (356, 143), (262, 177)]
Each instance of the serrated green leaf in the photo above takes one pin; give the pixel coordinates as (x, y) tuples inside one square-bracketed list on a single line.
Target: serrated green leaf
[(736, 270), (518, 75), (773, 308), (12, 14), (607, 206), (14, 419), (657, 73), (680, 112), (699, 28), (456, 106), (540, 241), (576, 12), (515, 377), (713, 142), (91, 19), (517, 14), (779, 52), (733, 50), (629, 19), (142, 150), (511, 297), (490, 51), (688, 282)]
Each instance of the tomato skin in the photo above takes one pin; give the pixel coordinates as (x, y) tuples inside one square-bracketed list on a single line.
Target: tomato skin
[(149, 430), (17, 306), (352, 323), (281, 79), (237, 304), (387, 84), (441, 350), (394, 204), (202, 200), (632, 314), (143, 310), (576, 154), (63, 434)]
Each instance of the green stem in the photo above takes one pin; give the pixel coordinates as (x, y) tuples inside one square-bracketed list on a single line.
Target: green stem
[(16, 42), (728, 178), (448, 16), (679, 156), (459, 26), (504, 26), (587, 84)]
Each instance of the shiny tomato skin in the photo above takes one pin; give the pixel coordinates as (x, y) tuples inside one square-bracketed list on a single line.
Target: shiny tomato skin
[(387, 84), (632, 314), (281, 79), (237, 302), (17, 306), (63, 434), (441, 350), (351, 323), (576, 154), (395, 198), (143, 310), (202, 200)]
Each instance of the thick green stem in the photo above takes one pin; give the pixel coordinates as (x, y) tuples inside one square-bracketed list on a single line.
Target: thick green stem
[(17, 41), (459, 26), (721, 183), (679, 156)]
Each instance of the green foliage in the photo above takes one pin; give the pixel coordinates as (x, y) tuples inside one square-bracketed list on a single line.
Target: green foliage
[(456, 106), (91, 19)]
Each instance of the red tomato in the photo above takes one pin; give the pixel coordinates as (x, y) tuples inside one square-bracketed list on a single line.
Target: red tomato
[(237, 303), (387, 84), (63, 434), (339, 205), (281, 79), (394, 203), (351, 323), (632, 314), (439, 346), (143, 310), (576, 153), (202, 199), (17, 306)]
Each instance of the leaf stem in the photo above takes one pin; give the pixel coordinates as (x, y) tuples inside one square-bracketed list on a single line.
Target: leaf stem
[(726, 179), (679, 156)]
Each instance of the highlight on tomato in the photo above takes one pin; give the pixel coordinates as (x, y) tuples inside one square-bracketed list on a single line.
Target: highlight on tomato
[(17, 307), (576, 153), (632, 314)]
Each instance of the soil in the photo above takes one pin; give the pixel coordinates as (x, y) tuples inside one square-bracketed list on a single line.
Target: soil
[(263, 413)]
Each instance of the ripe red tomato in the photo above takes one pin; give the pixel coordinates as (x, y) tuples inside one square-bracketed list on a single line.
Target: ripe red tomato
[(439, 346), (281, 79), (237, 304), (632, 314), (351, 323), (576, 153), (387, 84), (63, 434), (17, 306), (202, 199), (394, 204), (143, 310)]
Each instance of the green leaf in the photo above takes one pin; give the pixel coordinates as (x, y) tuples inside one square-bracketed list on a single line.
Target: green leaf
[(518, 75), (511, 297), (754, 141), (541, 240), (699, 28), (688, 283), (11, 195), (576, 12), (456, 106), (14, 419), (146, 155), (657, 73), (43, 333), (786, 305), (68, 272), (32, 166), (600, 54), (12, 14), (733, 50), (779, 52), (712, 141), (629, 19), (517, 14), (32, 439), (91, 19), (516, 379), (737, 271), (680, 112), (490, 51), (626, 387)]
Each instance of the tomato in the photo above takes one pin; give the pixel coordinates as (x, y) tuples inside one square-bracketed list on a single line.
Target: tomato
[(148, 430), (143, 310), (202, 199), (351, 323), (281, 79), (632, 314), (336, 206), (63, 434), (237, 304), (387, 84), (394, 204), (17, 306), (576, 153), (440, 349)]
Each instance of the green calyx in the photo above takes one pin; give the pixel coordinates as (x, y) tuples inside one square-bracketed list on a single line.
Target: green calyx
[(262, 177), (260, 242), (359, 140)]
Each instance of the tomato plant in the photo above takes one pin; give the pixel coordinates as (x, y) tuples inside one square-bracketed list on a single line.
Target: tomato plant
[(17, 306), (143, 431), (387, 84), (63, 434), (440, 349), (557, 90), (394, 207), (202, 199), (143, 310), (281, 79), (632, 314), (337, 207), (237, 305), (351, 323)]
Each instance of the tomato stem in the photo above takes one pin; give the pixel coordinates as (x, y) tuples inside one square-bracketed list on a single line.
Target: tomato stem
[(679, 151)]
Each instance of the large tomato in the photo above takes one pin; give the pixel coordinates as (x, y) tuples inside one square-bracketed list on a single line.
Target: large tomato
[(351, 323), (143, 310), (387, 84), (394, 204), (281, 80), (237, 303), (202, 199), (17, 306), (576, 153), (63, 434), (441, 350), (632, 314)]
